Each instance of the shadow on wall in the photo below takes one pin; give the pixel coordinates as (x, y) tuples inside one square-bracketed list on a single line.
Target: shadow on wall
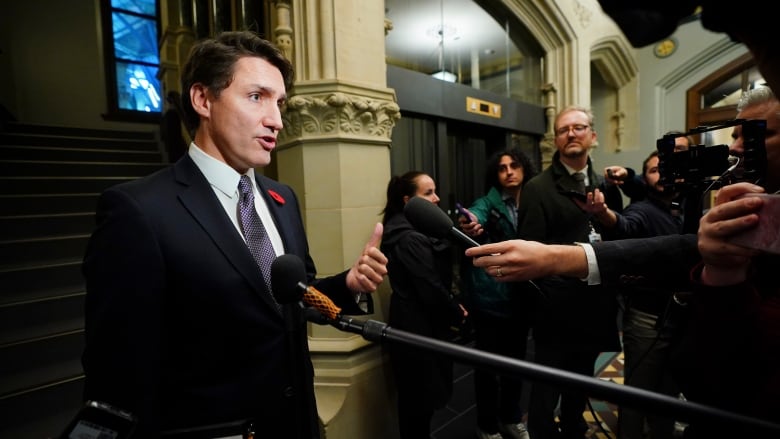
[(171, 128)]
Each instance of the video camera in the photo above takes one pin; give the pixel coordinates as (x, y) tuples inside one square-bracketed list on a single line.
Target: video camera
[(702, 168)]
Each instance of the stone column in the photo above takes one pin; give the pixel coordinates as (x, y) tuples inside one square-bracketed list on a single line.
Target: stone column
[(335, 152), (175, 42), (547, 144)]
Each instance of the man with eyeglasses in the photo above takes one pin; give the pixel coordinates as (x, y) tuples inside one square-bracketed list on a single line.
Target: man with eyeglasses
[(570, 328)]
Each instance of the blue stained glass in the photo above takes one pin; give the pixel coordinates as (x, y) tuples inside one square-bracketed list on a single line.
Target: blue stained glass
[(138, 88), (135, 38), (140, 6)]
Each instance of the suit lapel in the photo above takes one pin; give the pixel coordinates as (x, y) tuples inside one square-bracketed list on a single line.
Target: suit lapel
[(281, 215), (198, 198)]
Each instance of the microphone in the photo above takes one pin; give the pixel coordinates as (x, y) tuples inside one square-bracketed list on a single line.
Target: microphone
[(288, 282), (286, 272), (430, 220)]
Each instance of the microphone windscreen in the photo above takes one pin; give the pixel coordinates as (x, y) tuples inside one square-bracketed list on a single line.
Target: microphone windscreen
[(286, 272), (427, 218)]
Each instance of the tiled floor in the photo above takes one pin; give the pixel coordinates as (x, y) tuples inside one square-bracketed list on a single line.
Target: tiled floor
[(458, 419)]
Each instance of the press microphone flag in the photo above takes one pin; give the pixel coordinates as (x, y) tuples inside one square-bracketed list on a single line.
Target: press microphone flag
[(430, 220)]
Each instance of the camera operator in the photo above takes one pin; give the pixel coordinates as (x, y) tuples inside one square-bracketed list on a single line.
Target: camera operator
[(737, 308), (736, 305), (634, 186)]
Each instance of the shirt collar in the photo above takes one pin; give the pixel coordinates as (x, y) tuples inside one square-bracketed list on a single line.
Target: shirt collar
[(218, 173), (506, 196), (571, 170), (584, 172)]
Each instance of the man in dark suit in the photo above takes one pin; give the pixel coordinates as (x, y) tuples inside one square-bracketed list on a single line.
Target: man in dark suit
[(570, 328), (181, 326)]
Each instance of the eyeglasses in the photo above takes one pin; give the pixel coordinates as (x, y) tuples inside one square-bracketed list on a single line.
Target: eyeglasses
[(578, 130)]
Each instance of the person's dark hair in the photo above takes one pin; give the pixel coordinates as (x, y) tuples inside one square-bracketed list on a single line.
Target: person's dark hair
[(212, 63), (397, 189), (644, 163), (680, 134), (491, 172)]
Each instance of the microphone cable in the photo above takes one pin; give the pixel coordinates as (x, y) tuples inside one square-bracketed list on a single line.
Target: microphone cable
[(600, 424)]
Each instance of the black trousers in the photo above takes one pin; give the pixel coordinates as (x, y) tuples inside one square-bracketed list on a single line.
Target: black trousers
[(498, 396), (544, 397)]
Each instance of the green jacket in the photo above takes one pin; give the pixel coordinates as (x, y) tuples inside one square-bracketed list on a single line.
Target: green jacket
[(482, 291)]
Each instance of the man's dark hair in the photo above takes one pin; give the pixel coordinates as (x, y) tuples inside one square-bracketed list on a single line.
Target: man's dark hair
[(491, 174), (647, 160), (212, 63), (677, 133)]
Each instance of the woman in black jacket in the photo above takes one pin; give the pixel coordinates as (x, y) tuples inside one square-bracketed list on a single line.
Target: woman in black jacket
[(420, 272)]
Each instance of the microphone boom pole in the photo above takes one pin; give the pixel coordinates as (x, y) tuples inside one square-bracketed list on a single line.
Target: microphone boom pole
[(376, 331), (688, 411)]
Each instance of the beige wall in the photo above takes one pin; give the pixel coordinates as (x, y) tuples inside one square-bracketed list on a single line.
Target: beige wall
[(661, 88)]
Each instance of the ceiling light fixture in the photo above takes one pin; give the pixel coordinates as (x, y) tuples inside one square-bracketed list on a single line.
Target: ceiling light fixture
[(442, 32), (445, 76)]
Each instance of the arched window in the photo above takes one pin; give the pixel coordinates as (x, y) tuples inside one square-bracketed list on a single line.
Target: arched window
[(714, 99)]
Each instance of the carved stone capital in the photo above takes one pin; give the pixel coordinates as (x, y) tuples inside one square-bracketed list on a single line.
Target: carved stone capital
[(339, 114)]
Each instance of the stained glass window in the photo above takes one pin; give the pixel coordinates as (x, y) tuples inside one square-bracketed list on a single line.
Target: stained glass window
[(135, 56)]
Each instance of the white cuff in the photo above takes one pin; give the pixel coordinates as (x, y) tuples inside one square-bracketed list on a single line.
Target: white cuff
[(594, 275)]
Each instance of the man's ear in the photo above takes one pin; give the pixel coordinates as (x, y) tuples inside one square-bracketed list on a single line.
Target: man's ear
[(199, 97)]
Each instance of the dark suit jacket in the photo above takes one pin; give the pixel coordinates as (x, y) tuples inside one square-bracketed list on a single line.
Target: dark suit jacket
[(565, 316), (180, 328), (664, 261)]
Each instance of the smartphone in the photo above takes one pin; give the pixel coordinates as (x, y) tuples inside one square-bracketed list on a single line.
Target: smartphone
[(98, 420), (766, 235), (462, 212)]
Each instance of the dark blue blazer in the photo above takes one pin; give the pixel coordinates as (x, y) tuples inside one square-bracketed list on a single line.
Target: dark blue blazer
[(180, 328), (660, 261)]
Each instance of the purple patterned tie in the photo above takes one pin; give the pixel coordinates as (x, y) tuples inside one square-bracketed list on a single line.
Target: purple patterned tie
[(256, 237)]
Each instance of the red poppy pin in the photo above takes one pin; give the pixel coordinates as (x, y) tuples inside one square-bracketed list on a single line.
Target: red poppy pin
[(278, 198)]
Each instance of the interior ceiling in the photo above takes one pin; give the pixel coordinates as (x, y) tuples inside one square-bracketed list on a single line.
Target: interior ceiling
[(467, 28)]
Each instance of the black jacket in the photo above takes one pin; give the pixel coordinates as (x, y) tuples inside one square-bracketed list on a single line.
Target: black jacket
[(566, 315), (180, 327), (420, 271)]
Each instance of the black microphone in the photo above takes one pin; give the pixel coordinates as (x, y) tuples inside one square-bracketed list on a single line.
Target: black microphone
[(288, 281), (286, 272), (430, 220)]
